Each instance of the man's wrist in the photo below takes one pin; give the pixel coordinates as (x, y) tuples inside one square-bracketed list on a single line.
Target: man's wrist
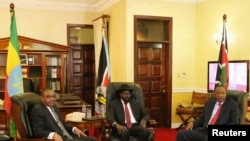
[(51, 135), (114, 124), (74, 130), (54, 135)]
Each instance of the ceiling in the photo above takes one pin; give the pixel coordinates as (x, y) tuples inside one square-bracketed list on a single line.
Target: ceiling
[(70, 5), (66, 5)]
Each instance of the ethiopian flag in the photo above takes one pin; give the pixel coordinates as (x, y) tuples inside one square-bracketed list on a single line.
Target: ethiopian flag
[(14, 79)]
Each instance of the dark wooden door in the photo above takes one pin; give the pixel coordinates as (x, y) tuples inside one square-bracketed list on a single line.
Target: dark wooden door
[(89, 74), (83, 72), (153, 66), (82, 62)]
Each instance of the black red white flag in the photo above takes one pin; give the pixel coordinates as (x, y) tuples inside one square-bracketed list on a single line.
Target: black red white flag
[(222, 76), (103, 78)]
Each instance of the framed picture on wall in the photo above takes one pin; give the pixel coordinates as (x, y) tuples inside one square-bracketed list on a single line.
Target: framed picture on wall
[(24, 59)]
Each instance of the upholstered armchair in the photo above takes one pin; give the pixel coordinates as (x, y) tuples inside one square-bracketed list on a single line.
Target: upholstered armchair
[(241, 99), (21, 106), (31, 85), (137, 95)]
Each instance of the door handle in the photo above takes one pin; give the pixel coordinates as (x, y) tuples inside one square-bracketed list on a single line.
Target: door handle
[(163, 89)]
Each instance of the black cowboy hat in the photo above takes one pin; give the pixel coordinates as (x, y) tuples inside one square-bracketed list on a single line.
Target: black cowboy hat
[(124, 87)]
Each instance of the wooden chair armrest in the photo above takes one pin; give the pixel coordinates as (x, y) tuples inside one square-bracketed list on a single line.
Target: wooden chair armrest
[(198, 109), (153, 123)]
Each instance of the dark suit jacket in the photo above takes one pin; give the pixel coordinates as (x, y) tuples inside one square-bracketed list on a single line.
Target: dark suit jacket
[(42, 122), (116, 112), (229, 114)]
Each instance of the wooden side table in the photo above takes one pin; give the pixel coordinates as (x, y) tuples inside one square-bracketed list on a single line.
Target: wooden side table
[(68, 108), (90, 125)]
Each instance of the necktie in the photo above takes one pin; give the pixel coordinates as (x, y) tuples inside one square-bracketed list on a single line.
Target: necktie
[(215, 117), (129, 125), (65, 133)]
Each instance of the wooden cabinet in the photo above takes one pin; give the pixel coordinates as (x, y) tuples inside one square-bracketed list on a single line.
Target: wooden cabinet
[(33, 65), (45, 61), (4, 122), (55, 72)]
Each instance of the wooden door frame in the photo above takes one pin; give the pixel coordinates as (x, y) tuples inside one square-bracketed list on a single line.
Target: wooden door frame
[(83, 90), (167, 110)]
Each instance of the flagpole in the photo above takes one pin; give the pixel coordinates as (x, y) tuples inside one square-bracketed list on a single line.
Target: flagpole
[(12, 6), (13, 81), (222, 75), (104, 16), (226, 49), (224, 18), (12, 127)]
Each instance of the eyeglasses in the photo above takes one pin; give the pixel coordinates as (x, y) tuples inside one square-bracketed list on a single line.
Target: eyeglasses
[(50, 96)]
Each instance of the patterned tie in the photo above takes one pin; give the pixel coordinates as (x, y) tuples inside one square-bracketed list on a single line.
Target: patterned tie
[(65, 133), (214, 119), (129, 125)]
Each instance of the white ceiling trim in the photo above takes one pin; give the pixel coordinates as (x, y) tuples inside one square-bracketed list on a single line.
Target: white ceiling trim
[(70, 5), (184, 1), (64, 6)]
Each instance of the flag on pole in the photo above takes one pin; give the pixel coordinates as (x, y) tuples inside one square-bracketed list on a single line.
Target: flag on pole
[(222, 76), (14, 79), (102, 68), (103, 78)]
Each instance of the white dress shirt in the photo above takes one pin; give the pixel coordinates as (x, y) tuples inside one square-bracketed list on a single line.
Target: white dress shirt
[(130, 112)]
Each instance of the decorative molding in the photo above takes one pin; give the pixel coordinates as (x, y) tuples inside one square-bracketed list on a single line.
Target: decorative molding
[(184, 1), (100, 5), (185, 90), (73, 5)]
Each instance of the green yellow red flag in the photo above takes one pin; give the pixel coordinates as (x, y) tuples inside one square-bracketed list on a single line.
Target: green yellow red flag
[(14, 79)]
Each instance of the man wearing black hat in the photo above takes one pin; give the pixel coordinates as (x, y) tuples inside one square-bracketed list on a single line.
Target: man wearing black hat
[(127, 116)]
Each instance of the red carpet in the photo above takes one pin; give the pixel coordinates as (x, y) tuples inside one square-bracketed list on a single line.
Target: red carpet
[(165, 134)]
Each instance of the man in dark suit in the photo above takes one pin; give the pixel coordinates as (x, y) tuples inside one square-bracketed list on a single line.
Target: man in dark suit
[(46, 121), (117, 116), (228, 115)]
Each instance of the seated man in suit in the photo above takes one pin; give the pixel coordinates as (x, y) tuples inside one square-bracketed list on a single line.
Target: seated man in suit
[(132, 124), (228, 113), (46, 121)]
